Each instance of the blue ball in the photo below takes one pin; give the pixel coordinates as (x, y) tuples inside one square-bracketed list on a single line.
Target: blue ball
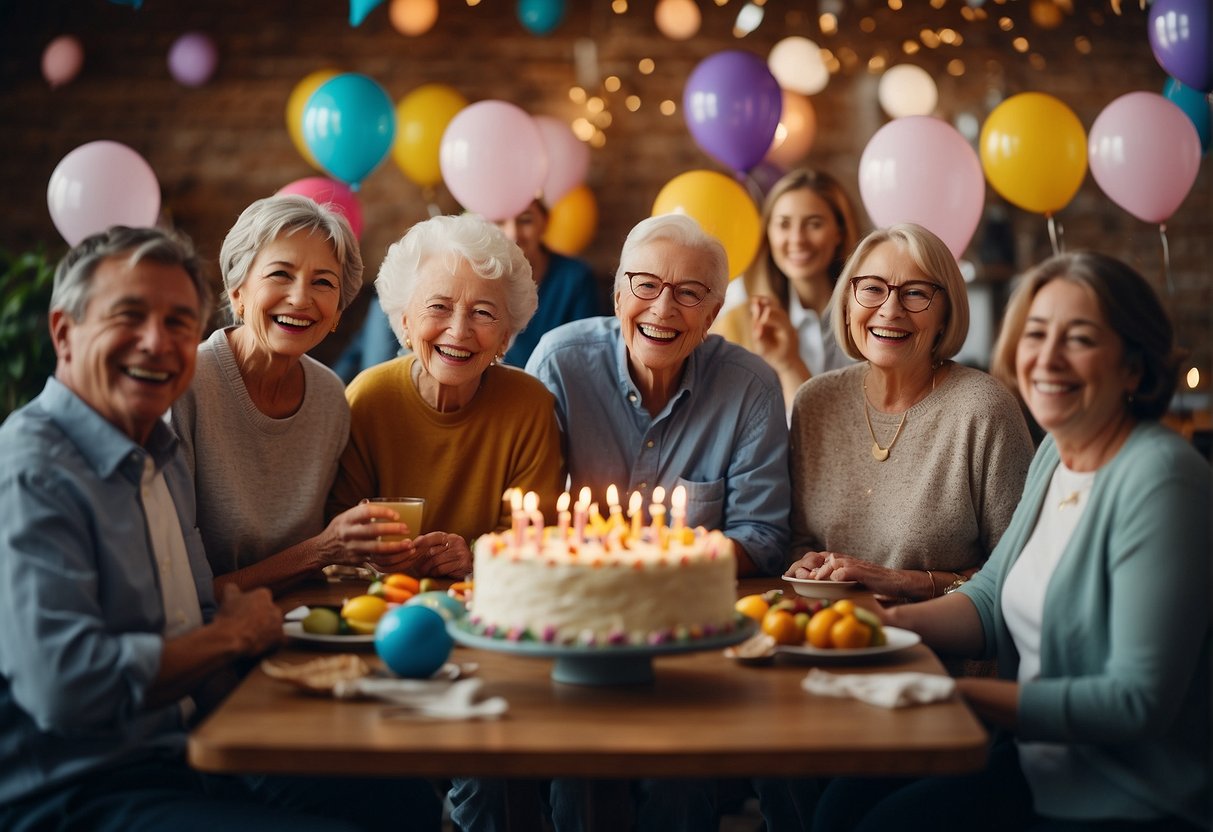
[(452, 609), (413, 641)]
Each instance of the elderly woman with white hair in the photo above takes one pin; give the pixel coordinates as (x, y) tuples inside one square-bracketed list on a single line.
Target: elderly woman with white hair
[(446, 422), (263, 424)]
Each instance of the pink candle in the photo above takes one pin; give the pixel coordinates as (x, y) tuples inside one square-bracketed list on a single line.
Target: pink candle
[(678, 506), (562, 508)]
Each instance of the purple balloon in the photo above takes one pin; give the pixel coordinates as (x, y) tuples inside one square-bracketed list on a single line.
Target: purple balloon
[(192, 59), (732, 104), (1180, 35)]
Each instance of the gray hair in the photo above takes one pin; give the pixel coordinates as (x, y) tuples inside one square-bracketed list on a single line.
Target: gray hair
[(933, 257), (469, 238), (73, 286), (266, 219), (680, 230)]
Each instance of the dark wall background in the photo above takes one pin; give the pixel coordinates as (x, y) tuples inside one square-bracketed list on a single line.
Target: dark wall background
[(216, 148)]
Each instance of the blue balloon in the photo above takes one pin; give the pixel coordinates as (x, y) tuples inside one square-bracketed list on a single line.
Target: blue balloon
[(1196, 107), (348, 125), (540, 16), (413, 641), (449, 608), (359, 9)]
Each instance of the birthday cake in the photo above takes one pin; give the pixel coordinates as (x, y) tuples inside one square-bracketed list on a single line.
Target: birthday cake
[(604, 585)]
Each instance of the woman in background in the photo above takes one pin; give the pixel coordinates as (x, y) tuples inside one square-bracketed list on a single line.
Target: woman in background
[(1096, 601), (263, 424), (447, 422), (810, 229)]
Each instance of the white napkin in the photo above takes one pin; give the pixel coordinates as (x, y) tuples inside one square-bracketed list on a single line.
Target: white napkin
[(425, 698), (888, 690)]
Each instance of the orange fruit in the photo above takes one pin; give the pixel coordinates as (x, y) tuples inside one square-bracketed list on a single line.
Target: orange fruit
[(399, 579), (849, 633), (818, 631), (844, 607), (781, 626), (752, 606)]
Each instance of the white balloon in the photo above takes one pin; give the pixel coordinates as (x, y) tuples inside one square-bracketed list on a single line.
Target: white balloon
[(907, 90), (797, 65), (100, 184), (677, 19)]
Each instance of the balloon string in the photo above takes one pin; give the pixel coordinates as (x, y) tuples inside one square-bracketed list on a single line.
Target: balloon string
[(1053, 235), (1166, 259), (752, 187)]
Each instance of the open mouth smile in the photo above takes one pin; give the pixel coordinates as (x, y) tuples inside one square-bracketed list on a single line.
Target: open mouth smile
[(142, 374), (453, 353), (293, 324), (888, 334), (657, 333)]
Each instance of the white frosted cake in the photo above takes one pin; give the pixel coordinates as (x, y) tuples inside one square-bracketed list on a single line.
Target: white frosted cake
[(602, 591)]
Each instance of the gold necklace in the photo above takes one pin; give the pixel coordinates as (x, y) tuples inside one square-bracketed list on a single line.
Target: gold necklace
[(878, 453)]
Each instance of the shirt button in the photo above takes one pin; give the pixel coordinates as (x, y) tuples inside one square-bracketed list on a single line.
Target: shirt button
[(649, 444), (642, 486), (632, 398)]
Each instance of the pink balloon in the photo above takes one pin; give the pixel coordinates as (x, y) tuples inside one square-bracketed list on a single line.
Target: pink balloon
[(568, 158), (920, 169), (1144, 153), (100, 184), (192, 59), (493, 159), (62, 60), (334, 195)]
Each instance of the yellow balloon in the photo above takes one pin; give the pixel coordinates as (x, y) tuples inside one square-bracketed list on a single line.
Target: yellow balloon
[(294, 111), (721, 206), (422, 117), (572, 222), (1034, 152)]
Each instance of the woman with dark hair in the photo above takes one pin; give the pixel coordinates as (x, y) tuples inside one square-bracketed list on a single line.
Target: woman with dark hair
[(1096, 600), (810, 229)]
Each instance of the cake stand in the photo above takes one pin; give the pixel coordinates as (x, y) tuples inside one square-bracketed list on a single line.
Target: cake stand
[(578, 664)]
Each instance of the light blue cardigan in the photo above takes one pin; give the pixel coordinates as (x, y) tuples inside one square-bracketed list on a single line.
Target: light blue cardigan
[(1125, 647)]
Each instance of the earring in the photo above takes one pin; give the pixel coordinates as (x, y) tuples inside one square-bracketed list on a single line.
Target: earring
[(240, 312), (334, 329), (408, 343)]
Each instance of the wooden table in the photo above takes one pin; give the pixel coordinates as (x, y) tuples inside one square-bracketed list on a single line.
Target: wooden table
[(704, 716)]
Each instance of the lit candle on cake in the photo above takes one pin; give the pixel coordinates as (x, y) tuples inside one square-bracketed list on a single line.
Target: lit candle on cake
[(562, 507), (657, 511), (612, 495), (580, 512), (517, 515), (678, 506), (530, 504), (635, 506)]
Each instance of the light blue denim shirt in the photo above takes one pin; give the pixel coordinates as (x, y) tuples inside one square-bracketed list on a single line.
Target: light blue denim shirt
[(80, 604), (722, 435)]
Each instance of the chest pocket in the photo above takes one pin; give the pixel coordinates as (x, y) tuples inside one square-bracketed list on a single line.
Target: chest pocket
[(705, 503)]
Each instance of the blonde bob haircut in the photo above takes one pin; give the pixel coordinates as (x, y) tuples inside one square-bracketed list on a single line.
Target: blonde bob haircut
[(934, 259)]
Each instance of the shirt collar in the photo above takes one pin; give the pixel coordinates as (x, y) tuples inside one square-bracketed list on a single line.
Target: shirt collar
[(623, 373)]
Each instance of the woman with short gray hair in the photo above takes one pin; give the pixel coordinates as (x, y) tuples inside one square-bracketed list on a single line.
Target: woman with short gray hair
[(447, 422), (263, 424)]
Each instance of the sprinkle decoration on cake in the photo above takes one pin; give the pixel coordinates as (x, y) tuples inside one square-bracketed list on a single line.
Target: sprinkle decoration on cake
[(598, 582)]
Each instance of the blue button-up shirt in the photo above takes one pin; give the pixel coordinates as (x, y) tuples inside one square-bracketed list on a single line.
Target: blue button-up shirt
[(722, 435), (81, 615)]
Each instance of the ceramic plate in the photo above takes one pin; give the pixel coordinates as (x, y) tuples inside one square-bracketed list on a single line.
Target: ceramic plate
[(294, 629), (898, 640), (826, 590)]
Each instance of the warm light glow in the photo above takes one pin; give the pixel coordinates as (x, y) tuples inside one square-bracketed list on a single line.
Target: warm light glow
[(948, 36), (583, 496), (1037, 61), (634, 503), (515, 499), (1082, 44), (895, 5), (646, 66), (1020, 44), (583, 129), (668, 107), (413, 17), (967, 13), (598, 140), (910, 47), (619, 6), (929, 38), (868, 24), (530, 503), (877, 63), (659, 495), (473, 3), (1193, 378), (562, 502), (1006, 24), (1045, 14), (632, 102), (603, 119), (577, 95), (677, 19), (956, 67), (828, 24), (595, 105), (612, 495), (748, 19), (612, 83)]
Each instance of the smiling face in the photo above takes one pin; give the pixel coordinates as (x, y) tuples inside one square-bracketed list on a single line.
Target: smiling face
[(133, 353), (291, 294), (458, 324), (888, 336), (1070, 365), (660, 333), (804, 235)]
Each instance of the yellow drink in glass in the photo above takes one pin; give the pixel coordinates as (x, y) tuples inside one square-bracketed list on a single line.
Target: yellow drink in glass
[(411, 511)]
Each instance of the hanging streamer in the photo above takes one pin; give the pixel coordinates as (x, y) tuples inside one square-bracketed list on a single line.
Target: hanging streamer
[(1056, 235), (1166, 260)]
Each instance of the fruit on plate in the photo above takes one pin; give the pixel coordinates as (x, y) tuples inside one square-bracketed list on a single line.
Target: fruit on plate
[(781, 626), (363, 612), (844, 626), (395, 588), (752, 606), (322, 621)]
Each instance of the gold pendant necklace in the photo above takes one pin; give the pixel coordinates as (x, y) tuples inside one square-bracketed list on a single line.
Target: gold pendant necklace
[(878, 453)]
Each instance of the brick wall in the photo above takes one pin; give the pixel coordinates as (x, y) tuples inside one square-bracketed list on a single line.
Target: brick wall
[(217, 148)]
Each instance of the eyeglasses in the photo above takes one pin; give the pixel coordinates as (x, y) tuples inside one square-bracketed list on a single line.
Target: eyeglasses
[(871, 292), (649, 287)]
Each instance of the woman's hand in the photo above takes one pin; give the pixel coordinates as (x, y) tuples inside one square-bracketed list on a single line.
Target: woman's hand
[(439, 554), (893, 583), (775, 339), (353, 536)]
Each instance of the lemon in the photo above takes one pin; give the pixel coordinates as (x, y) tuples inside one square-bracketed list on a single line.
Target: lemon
[(322, 622), (753, 606), (363, 612)]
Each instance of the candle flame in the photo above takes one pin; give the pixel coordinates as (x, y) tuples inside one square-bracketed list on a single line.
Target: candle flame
[(562, 502), (634, 503), (659, 494), (678, 499), (612, 495), (583, 496), (515, 499), (531, 502), (1193, 378)]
